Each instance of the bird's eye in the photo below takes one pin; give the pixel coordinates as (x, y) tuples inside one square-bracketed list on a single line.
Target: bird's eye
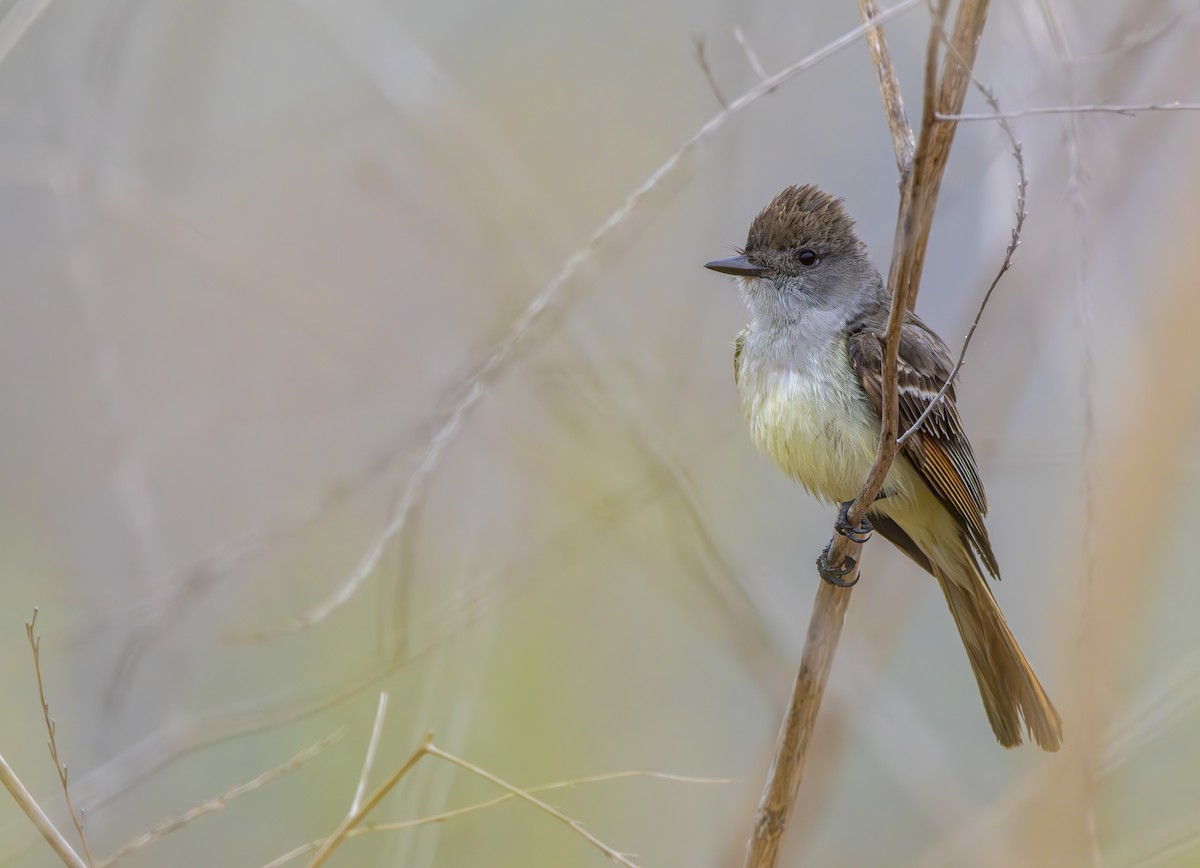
[(808, 259)]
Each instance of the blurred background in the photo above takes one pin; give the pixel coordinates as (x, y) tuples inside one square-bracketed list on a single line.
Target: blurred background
[(297, 407)]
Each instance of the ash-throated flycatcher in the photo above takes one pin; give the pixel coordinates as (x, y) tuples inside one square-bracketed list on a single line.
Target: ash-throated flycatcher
[(808, 368)]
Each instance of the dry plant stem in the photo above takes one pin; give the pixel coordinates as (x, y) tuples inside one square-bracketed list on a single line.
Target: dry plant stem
[(795, 734), (35, 645), (428, 748), (477, 384), (1125, 110), (751, 54), (702, 59), (1005, 265), (368, 828), (216, 804), (372, 746), (542, 788), (889, 87), (37, 816), (356, 817), (951, 91), (918, 197), (608, 851), (917, 201)]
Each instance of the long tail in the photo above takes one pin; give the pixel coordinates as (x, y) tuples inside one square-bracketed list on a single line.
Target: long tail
[(1010, 689)]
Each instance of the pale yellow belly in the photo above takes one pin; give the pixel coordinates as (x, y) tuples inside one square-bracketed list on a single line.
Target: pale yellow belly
[(820, 435)]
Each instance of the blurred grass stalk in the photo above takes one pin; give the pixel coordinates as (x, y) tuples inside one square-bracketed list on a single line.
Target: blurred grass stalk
[(1140, 452)]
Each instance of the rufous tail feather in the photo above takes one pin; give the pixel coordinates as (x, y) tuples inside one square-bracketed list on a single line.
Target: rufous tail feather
[(1011, 691)]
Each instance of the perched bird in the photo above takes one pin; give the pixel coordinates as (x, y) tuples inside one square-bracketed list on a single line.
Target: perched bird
[(808, 369)]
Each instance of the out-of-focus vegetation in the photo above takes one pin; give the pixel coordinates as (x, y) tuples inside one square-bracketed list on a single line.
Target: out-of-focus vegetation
[(252, 257)]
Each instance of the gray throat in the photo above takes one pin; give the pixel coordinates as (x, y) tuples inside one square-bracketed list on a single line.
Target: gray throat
[(803, 334)]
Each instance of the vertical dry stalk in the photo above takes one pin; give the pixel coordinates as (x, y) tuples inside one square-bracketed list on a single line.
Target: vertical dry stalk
[(38, 817), (889, 88), (921, 180), (1143, 446), (933, 149)]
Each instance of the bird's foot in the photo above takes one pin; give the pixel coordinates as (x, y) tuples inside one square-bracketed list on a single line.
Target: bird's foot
[(858, 533), (836, 576)]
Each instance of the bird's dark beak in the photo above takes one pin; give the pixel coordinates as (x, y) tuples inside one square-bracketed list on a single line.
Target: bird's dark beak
[(738, 266)]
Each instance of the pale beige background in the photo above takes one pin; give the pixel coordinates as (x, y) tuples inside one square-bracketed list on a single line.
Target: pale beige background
[(250, 254)]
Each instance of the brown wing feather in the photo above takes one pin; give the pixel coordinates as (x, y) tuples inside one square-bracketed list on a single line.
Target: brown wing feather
[(939, 449)]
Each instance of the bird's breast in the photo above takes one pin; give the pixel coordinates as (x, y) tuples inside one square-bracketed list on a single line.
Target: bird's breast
[(814, 422)]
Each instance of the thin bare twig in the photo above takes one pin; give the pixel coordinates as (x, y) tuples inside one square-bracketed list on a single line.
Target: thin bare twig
[(1005, 265), (339, 834), (541, 788), (903, 141), (398, 825), (216, 804), (915, 221), (35, 645), (919, 193), (751, 55), (702, 59), (477, 384), (37, 816), (944, 94), (524, 795), (1128, 111), (372, 746), (428, 748)]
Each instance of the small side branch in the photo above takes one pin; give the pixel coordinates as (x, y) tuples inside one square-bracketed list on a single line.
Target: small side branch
[(355, 817), (35, 645), (1128, 111), (1005, 265), (889, 87), (372, 747), (519, 793), (751, 55), (218, 803), (428, 748), (702, 60), (366, 828)]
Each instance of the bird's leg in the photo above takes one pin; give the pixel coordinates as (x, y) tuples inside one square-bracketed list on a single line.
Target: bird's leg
[(836, 576), (858, 533)]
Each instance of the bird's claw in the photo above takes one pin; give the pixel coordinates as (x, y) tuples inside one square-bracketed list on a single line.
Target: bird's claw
[(835, 576), (858, 533)]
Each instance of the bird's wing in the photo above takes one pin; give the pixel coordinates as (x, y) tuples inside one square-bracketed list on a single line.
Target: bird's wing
[(939, 449)]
